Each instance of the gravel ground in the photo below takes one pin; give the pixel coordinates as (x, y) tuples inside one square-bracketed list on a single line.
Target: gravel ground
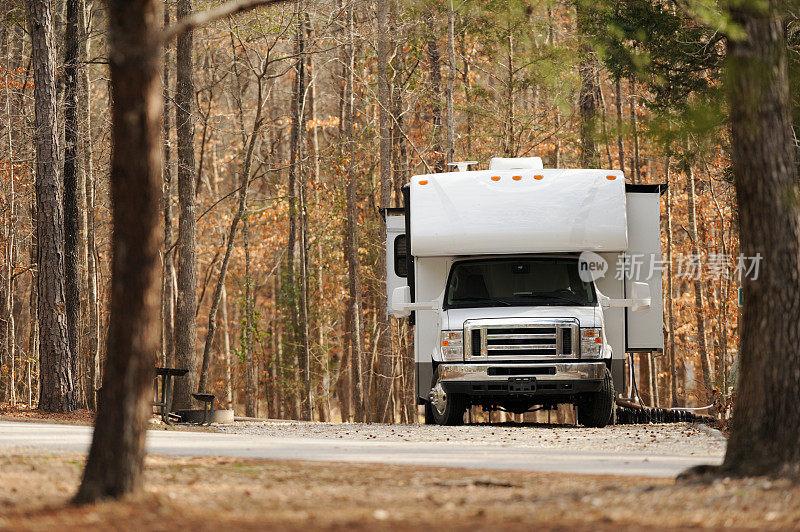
[(665, 439)]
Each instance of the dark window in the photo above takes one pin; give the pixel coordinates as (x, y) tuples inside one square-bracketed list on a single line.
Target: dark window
[(518, 282), (400, 256)]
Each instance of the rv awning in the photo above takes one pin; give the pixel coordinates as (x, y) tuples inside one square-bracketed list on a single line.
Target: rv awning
[(518, 211)]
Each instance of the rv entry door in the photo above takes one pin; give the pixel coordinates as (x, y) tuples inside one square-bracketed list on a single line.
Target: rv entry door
[(396, 258)]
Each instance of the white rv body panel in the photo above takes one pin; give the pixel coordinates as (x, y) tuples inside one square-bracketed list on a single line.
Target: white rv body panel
[(518, 211), (431, 278), (614, 318), (645, 329)]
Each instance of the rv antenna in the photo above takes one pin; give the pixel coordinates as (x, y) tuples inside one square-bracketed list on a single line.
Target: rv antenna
[(462, 166)]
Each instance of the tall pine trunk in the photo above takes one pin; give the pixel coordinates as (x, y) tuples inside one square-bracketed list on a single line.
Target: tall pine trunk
[(384, 109), (116, 457), (699, 303), (57, 389), (185, 321), (673, 364), (168, 275), (73, 233), (765, 435), (355, 328), (92, 329)]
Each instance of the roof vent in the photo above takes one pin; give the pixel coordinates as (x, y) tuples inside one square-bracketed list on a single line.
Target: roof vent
[(516, 163)]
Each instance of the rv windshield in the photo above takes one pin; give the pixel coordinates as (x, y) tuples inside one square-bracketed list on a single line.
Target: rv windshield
[(518, 282)]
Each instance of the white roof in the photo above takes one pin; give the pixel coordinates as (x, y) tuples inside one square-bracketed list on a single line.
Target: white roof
[(518, 211)]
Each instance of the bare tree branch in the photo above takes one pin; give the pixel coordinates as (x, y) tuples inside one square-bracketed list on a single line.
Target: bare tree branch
[(201, 18)]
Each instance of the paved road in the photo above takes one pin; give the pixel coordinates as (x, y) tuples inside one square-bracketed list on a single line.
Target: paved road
[(452, 454)]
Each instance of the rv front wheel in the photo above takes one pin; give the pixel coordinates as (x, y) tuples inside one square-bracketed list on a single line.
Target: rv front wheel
[(447, 408), (597, 409)]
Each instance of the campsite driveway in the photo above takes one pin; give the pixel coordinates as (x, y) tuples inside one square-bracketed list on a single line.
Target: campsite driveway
[(645, 450)]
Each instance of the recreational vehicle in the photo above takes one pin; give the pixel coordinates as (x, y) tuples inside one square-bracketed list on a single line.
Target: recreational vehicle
[(525, 286)]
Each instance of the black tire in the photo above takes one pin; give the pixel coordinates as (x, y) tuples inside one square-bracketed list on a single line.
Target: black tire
[(598, 408), (455, 405), (453, 412)]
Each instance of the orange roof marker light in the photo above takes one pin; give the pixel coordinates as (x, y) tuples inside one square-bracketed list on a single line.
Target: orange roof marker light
[(516, 177), (423, 182), (611, 177), (538, 177), (495, 178)]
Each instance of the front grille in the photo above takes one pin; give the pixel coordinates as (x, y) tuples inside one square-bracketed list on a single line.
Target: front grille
[(539, 339), (476, 342)]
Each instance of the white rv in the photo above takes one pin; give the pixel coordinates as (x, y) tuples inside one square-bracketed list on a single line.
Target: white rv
[(525, 286)]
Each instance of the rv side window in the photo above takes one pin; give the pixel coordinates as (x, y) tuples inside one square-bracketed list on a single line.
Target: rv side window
[(400, 261)]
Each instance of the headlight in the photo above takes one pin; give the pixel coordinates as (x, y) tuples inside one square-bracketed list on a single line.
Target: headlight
[(592, 342), (452, 345)]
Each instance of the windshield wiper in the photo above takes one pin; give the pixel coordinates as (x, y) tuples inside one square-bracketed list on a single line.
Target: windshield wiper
[(460, 300)]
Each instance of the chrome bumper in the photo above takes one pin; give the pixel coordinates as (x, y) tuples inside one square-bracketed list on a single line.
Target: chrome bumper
[(542, 371)]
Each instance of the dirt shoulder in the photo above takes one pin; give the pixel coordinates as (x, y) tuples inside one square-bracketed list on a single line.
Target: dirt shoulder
[(23, 413), (207, 493), (79, 417)]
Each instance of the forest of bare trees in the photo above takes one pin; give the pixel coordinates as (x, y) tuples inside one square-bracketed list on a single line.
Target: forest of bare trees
[(285, 129)]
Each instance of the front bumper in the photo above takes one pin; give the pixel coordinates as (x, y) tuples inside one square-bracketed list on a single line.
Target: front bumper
[(522, 379)]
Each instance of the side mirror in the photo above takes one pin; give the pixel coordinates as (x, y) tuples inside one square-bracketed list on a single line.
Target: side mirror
[(640, 301), (641, 297), (401, 299), (402, 305)]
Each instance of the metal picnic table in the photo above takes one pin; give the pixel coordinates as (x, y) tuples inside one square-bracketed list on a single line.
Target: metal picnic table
[(167, 377)]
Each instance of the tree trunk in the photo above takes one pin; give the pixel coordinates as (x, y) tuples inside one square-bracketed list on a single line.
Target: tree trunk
[(251, 408), (699, 304), (297, 212), (604, 123), (355, 331), (116, 457), (765, 435), (509, 149), (467, 94), (435, 73), (11, 237), (226, 346), (185, 321), (637, 171), (451, 80), (168, 275), (620, 142), (92, 329), (384, 105), (673, 368), (73, 233), (587, 97), (644, 384), (57, 378)]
